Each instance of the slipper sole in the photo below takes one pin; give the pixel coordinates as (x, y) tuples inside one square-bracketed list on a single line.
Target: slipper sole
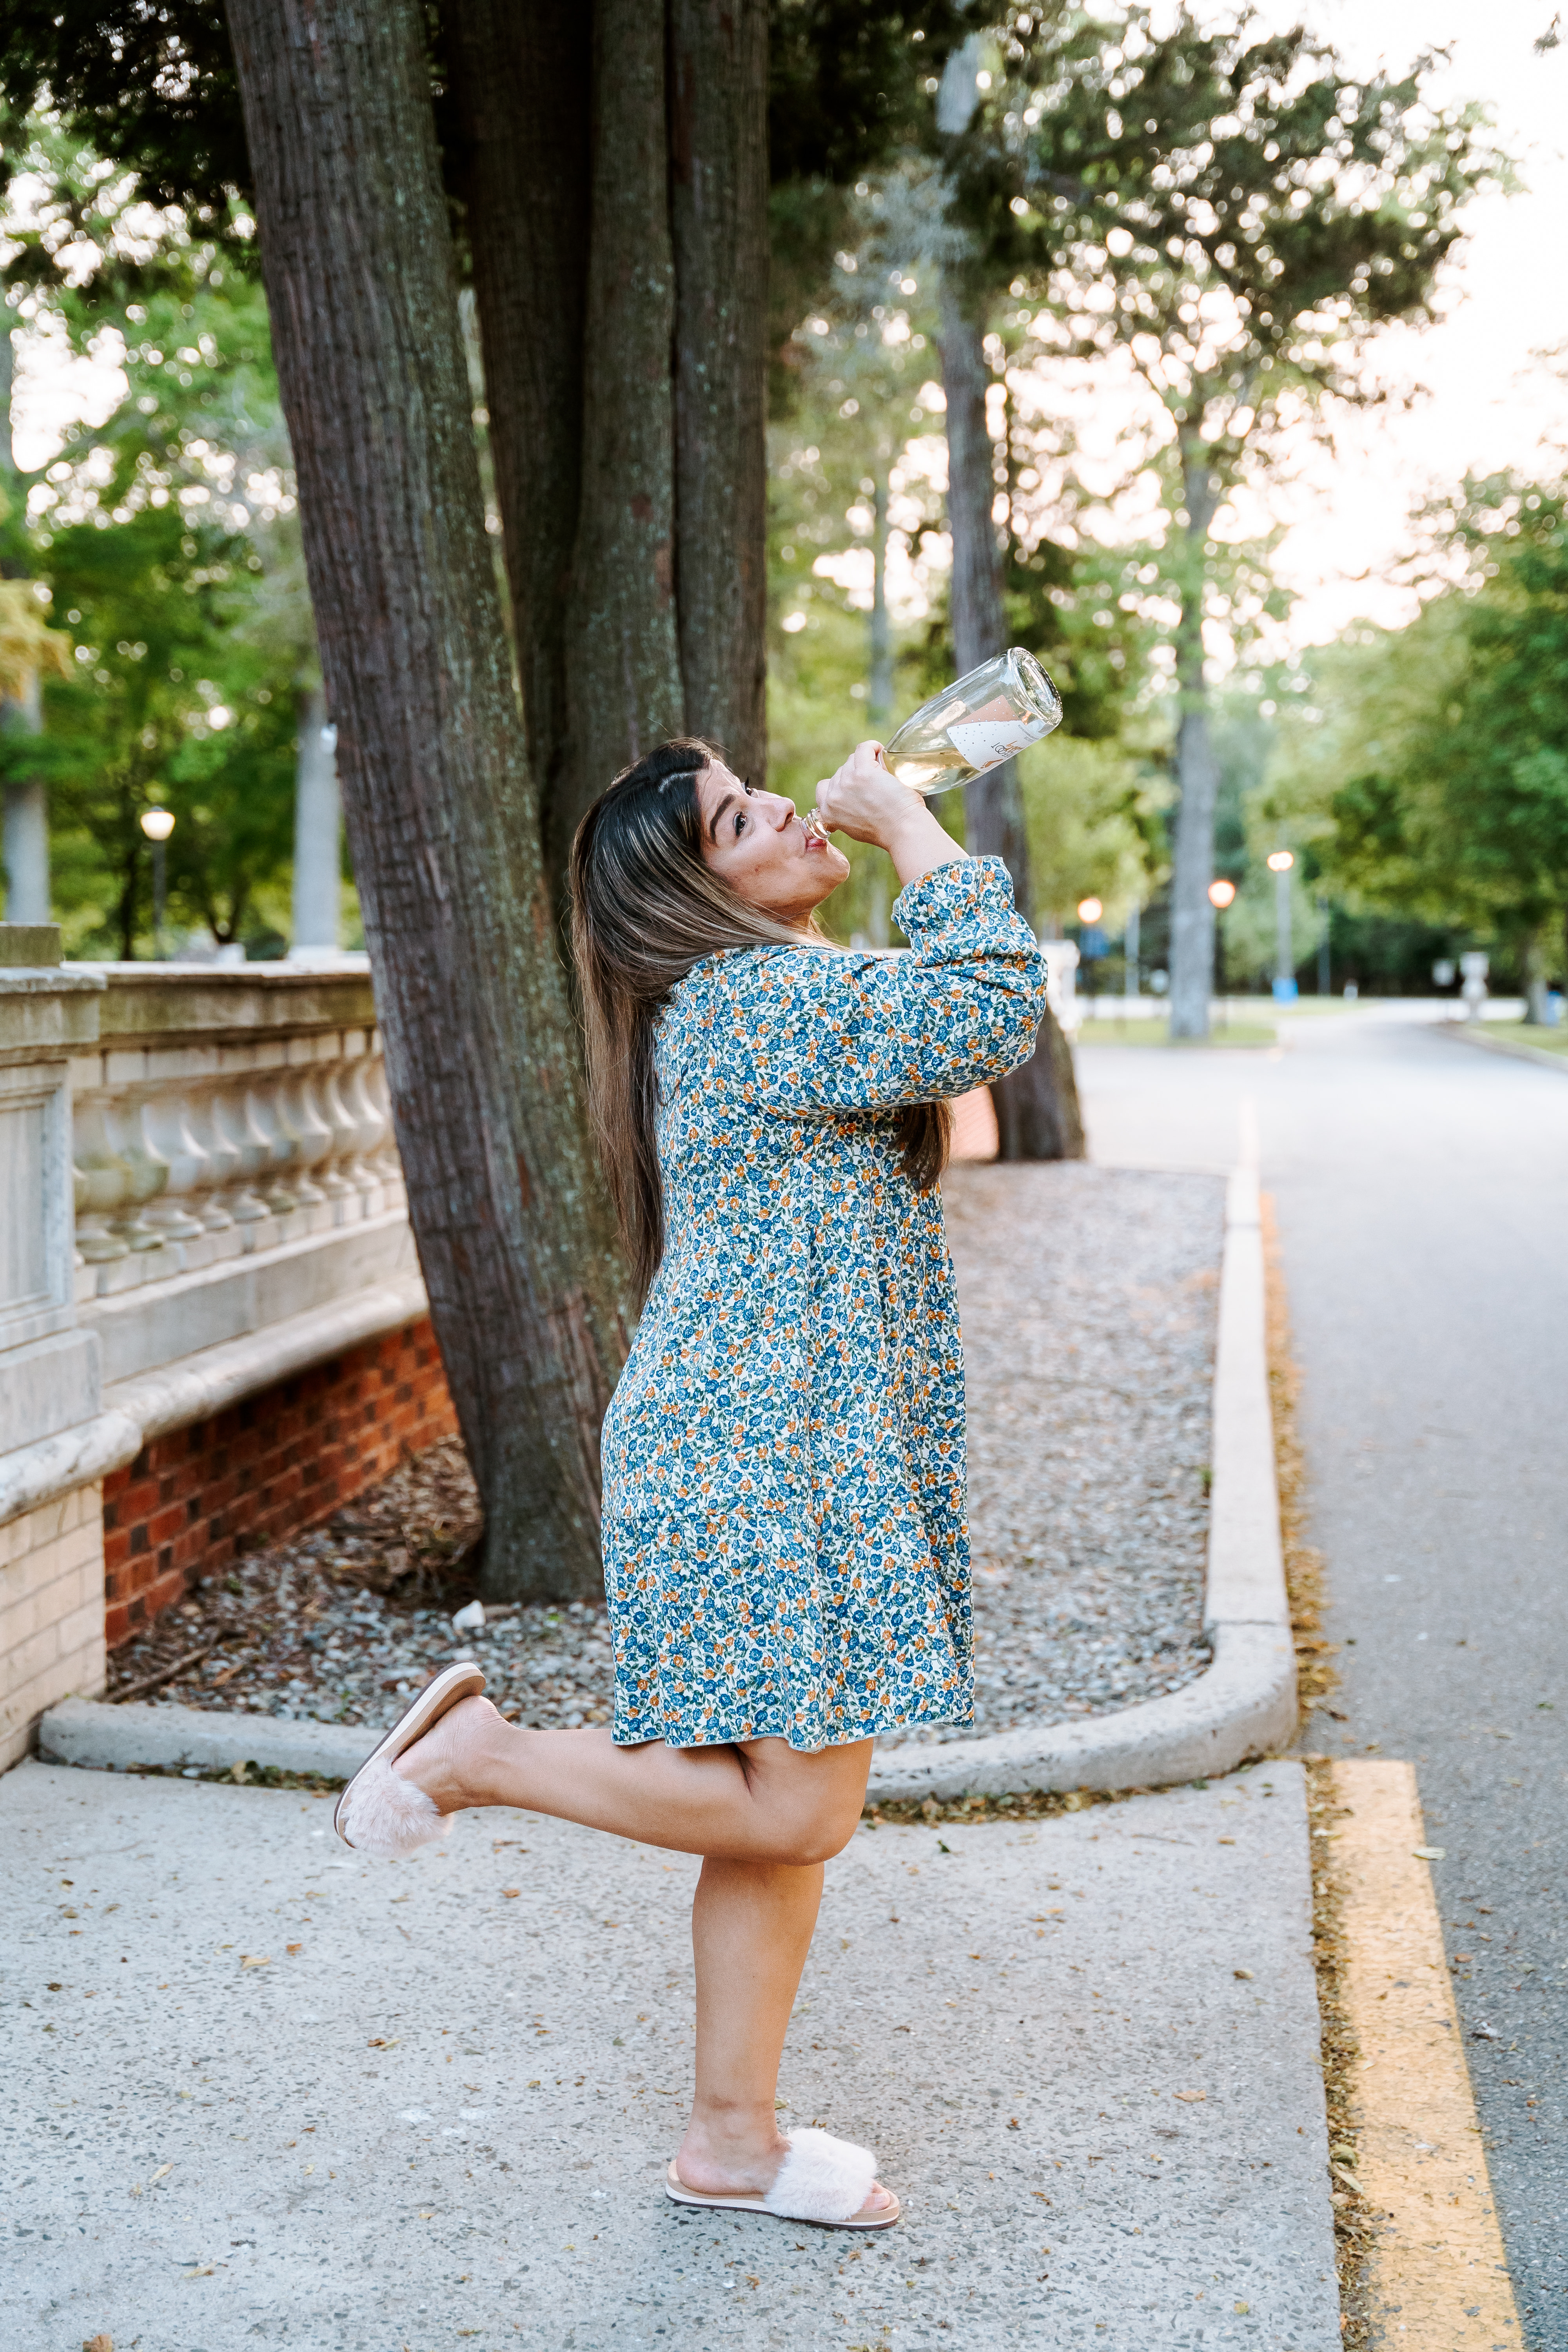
[(426, 1708), (750, 2202)]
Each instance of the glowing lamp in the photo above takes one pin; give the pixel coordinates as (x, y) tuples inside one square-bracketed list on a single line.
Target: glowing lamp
[(1221, 893), (157, 824), (1090, 910), (1280, 861)]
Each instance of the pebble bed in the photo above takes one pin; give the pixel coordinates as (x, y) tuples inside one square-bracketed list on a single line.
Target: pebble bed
[(1088, 1301)]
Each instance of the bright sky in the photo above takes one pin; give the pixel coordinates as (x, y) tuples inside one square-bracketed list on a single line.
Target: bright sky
[(1488, 401)]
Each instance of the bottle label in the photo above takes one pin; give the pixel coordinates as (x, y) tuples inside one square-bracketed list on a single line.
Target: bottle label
[(986, 742)]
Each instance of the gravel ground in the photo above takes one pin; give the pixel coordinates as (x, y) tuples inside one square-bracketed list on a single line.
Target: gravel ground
[(1089, 1300)]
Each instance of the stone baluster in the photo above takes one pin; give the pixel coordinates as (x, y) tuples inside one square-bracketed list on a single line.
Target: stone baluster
[(162, 1115), (370, 1121), (245, 1152)]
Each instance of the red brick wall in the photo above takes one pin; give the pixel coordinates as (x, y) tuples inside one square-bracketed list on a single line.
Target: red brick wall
[(287, 1457)]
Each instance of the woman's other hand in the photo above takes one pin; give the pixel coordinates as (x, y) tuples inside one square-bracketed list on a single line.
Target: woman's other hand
[(865, 799)]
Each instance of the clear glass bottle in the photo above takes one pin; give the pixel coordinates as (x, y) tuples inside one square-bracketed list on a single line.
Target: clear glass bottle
[(988, 717)]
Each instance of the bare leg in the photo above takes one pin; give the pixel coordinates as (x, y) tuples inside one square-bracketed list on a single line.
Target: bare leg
[(752, 1926), (762, 1801), (764, 1817)]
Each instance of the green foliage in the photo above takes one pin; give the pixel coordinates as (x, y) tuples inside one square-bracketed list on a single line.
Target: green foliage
[(166, 543), (1430, 765), (1236, 212)]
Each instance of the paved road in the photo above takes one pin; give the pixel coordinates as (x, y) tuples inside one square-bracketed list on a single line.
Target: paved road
[(1422, 1192), (1084, 2049)]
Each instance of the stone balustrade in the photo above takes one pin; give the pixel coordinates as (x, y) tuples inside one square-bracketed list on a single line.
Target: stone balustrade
[(200, 1207), (222, 1113)]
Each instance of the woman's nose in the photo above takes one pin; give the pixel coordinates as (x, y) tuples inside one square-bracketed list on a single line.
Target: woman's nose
[(781, 812)]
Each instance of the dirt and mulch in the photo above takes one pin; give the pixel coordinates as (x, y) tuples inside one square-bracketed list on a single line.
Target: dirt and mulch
[(1355, 2220), (1088, 1300)]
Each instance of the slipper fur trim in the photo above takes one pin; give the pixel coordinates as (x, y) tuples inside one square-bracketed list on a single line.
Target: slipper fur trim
[(382, 1812), (821, 2180), (385, 1814)]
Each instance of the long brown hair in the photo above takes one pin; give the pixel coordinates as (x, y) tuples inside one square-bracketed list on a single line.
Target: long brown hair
[(645, 910)]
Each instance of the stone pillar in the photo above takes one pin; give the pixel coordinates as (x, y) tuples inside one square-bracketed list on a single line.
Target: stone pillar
[(317, 832), (26, 823), (51, 1559)]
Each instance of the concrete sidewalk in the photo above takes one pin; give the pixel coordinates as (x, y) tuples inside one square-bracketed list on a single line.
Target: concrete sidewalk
[(449, 2126)]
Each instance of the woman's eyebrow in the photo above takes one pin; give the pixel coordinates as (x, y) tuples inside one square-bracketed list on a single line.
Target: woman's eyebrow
[(727, 802)]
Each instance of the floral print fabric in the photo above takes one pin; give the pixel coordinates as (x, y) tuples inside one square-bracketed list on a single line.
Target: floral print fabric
[(786, 1553)]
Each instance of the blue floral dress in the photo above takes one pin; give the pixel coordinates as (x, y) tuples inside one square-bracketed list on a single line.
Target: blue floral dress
[(786, 1553)]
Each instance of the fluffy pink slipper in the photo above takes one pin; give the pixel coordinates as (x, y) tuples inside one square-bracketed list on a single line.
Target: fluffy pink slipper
[(821, 2180), (380, 1812)]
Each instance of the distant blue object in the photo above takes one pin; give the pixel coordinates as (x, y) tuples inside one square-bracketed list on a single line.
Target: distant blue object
[(1553, 1009), (1285, 992), (1091, 943)]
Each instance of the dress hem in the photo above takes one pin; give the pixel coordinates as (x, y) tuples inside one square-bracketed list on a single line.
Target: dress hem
[(736, 1738)]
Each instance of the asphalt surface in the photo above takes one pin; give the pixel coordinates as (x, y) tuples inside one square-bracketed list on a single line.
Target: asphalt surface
[(247, 2105), (1421, 1187)]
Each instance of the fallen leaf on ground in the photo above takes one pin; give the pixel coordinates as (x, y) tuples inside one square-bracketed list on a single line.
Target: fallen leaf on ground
[(1191, 2098), (255, 1959), (97, 2344), (295, 1948), (205, 2272), (1242, 1972), (162, 2171), (1429, 1853), (511, 1892)]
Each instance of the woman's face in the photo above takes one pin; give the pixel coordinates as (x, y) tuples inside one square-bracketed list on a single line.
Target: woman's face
[(757, 843)]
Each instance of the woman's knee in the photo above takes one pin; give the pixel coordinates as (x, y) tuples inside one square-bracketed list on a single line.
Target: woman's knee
[(812, 1832)]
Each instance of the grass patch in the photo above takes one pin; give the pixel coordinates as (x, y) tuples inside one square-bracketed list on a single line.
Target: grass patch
[(1526, 1033), (1113, 1031)]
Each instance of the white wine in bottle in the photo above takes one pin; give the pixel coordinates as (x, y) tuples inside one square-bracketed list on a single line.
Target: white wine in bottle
[(993, 713)]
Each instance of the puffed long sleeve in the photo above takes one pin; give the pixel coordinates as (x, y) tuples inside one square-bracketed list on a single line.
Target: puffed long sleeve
[(808, 1030)]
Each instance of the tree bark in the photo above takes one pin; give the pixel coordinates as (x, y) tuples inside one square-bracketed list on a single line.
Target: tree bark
[(622, 659), (526, 202), (525, 1288), (1197, 777), (1037, 1115), (879, 695), (718, 219)]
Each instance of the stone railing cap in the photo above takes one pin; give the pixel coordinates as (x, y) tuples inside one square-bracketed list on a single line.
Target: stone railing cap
[(31, 945), (163, 1000)]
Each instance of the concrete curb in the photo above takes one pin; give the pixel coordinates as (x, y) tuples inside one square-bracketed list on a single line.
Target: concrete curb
[(1244, 1705), (1468, 1033), (207, 1740)]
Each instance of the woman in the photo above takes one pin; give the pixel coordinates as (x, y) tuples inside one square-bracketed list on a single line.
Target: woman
[(785, 1553)]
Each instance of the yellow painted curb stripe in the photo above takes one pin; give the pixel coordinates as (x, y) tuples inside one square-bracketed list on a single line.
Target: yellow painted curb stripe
[(1439, 2278)]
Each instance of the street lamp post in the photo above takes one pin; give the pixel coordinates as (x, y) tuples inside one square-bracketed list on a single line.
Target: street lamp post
[(1090, 941), (157, 824), (1221, 893), (1280, 861)]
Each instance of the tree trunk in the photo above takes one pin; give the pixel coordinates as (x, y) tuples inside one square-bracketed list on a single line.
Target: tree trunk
[(719, 218), (623, 660), (526, 199), (525, 1288), (1538, 947), (1037, 1115), (1197, 776), (879, 696)]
